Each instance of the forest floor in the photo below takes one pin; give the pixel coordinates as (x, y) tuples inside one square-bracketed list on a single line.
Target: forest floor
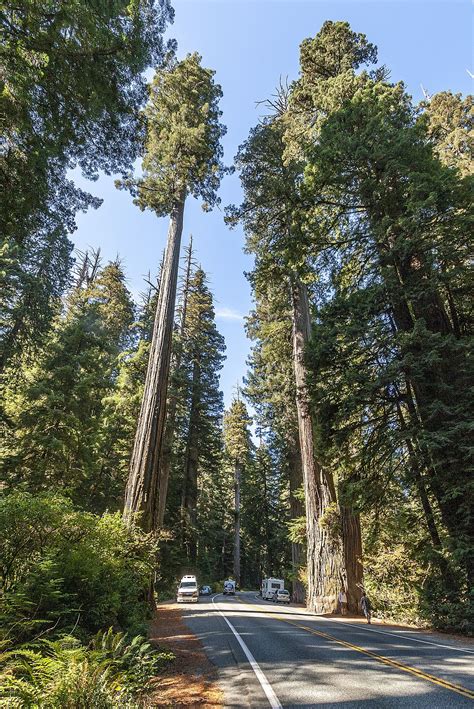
[(191, 679)]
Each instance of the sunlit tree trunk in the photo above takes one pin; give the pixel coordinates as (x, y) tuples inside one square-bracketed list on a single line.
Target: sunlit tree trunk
[(352, 545), (167, 447), (325, 568), (143, 481)]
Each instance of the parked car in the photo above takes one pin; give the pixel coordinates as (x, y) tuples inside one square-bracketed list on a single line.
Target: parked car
[(205, 591), (281, 596)]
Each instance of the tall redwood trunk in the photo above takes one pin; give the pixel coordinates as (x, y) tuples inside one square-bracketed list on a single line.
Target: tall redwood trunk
[(167, 447), (352, 545), (143, 480), (325, 568), (296, 510), (237, 479)]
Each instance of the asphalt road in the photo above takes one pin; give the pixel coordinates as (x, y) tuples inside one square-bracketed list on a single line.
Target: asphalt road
[(280, 656)]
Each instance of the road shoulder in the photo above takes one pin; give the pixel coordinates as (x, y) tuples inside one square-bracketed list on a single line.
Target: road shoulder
[(191, 679), (381, 624)]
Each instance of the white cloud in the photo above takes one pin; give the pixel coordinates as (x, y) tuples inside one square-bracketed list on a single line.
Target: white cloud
[(225, 313)]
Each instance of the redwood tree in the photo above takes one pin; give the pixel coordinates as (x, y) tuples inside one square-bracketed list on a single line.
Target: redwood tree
[(182, 154)]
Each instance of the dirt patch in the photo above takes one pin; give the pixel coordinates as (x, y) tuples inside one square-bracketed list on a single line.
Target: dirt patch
[(191, 679)]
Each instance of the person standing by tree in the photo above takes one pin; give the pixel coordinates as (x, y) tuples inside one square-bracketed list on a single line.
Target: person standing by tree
[(366, 607), (342, 602)]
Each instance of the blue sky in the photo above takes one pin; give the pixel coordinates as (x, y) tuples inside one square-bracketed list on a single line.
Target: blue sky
[(250, 44)]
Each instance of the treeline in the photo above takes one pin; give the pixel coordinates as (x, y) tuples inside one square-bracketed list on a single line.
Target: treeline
[(102, 493), (74, 577), (120, 466), (357, 211)]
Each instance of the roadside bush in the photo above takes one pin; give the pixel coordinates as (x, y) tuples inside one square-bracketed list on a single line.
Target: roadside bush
[(63, 568), (63, 674), (409, 582)]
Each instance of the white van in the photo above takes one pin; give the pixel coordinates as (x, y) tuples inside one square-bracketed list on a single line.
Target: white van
[(229, 587), (269, 586), (188, 590)]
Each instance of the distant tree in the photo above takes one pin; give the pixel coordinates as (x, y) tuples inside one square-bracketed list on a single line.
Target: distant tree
[(450, 128), (58, 413), (203, 355), (182, 157), (270, 387), (239, 453)]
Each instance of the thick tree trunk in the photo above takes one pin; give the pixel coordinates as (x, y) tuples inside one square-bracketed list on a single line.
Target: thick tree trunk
[(296, 510), (237, 479), (167, 448), (325, 569), (352, 544), (142, 485)]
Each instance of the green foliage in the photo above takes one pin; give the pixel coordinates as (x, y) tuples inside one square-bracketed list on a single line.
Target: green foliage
[(198, 505), (71, 91), (63, 568), (183, 133), (265, 548), (111, 672), (450, 128), (59, 418), (238, 443), (343, 189), (404, 577)]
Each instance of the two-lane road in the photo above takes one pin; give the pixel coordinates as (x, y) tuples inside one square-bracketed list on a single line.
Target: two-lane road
[(274, 656)]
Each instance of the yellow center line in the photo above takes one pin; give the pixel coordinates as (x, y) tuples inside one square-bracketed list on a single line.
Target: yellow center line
[(464, 691)]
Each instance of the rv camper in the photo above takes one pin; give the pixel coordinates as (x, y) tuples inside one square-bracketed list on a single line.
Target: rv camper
[(229, 587), (269, 586)]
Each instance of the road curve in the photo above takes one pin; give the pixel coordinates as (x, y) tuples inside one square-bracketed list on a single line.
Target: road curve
[(274, 656)]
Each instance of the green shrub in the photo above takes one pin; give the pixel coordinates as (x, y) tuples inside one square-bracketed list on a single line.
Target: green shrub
[(63, 674), (64, 568)]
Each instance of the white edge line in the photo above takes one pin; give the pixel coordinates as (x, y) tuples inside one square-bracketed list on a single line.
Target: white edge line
[(383, 632), (405, 637), (264, 683)]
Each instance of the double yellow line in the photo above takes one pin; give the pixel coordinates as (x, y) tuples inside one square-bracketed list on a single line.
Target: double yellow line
[(464, 691)]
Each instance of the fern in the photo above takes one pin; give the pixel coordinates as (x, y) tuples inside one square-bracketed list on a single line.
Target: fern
[(63, 674)]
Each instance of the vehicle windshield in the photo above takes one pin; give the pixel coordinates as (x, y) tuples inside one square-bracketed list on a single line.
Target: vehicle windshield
[(285, 593), (188, 584)]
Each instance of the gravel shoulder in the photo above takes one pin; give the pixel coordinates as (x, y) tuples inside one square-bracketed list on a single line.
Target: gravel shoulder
[(191, 679)]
